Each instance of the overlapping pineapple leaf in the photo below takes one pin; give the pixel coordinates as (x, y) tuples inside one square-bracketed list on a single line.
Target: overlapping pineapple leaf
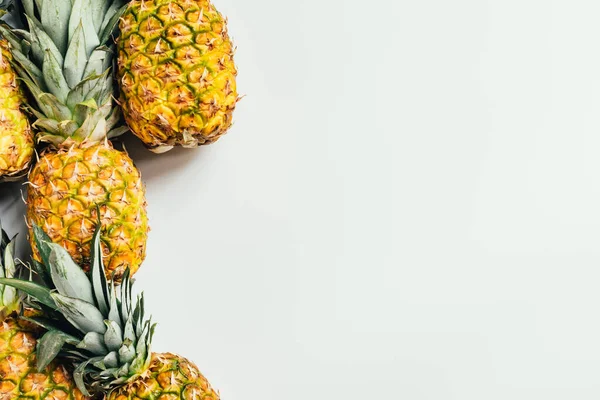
[(3, 241), (50, 320), (89, 88), (50, 345), (98, 276), (29, 6), (94, 343), (98, 61), (54, 18), (9, 299), (41, 43), (40, 293), (81, 314), (42, 272), (55, 80), (111, 19), (75, 58), (42, 242), (67, 276), (81, 12)]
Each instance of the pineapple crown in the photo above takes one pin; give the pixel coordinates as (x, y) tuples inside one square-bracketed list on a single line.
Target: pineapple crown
[(9, 298), (64, 59), (89, 322)]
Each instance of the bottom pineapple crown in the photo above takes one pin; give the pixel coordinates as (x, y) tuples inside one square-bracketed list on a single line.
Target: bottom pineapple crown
[(88, 321)]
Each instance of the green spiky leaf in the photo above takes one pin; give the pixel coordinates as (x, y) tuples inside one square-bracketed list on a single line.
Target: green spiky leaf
[(50, 345), (98, 275), (83, 315), (75, 58), (40, 293), (55, 80), (54, 18), (94, 343), (68, 277)]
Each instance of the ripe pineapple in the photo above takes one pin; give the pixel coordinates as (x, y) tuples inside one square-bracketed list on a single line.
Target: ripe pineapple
[(19, 377), (16, 139), (104, 332), (67, 70), (176, 72)]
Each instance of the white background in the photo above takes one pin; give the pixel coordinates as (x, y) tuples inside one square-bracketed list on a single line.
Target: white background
[(408, 206)]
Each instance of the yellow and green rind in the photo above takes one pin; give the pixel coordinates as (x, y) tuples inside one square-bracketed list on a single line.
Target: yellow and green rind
[(176, 72), (19, 378), (169, 377), (16, 139), (66, 189)]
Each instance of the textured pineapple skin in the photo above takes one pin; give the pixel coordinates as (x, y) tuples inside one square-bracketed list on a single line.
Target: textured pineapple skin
[(67, 186), (176, 72), (16, 138), (169, 377), (19, 378)]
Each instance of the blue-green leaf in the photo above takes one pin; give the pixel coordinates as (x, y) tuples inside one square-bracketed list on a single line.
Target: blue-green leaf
[(113, 337), (54, 78), (127, 352), (81, 13), (49, 346), (113, 314), (40, 293), (28, 7), (42, 241), (76, 58), (98, 274), (68, 277), (94, 343), (111, 19), (97, 62), (54, 18), (42, 43), (81, 314)]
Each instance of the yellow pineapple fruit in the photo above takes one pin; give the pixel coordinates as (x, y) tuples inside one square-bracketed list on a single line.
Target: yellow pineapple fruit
[(67, 186), (167, 376), (19, 376), (176, 72), (67, 72), (16, 139)]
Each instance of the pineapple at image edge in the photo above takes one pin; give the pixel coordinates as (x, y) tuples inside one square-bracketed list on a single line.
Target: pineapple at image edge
[(176, 72), (19, 378), (174, 377), (67, 68), (111, 336), (16, 138)]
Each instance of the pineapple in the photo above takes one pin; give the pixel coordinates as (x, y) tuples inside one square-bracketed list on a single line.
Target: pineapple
[(19, 378), (64, 61), (16, 139), (103, 332), (176, 72)]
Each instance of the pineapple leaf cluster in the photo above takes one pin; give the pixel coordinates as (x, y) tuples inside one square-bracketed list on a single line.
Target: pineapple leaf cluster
[(89, 322), (9, 299), (64, 59)]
